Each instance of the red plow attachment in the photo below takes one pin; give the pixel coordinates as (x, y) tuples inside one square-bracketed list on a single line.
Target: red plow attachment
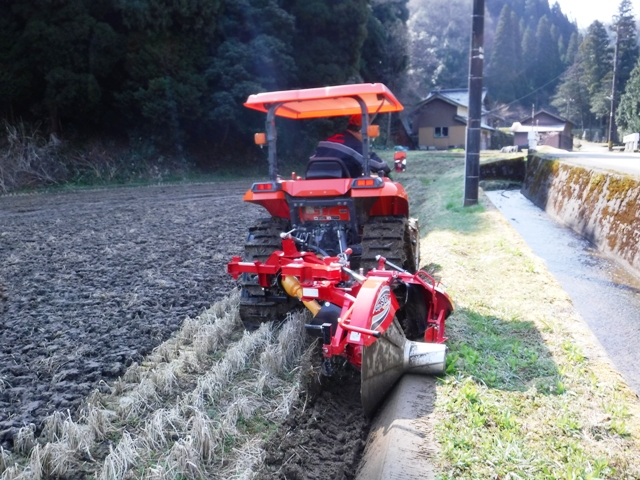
[(362, 318)]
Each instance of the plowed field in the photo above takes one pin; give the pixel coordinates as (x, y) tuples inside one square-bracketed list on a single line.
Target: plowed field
[(91, 281)]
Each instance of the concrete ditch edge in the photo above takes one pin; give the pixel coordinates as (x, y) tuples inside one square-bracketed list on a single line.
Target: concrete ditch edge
[(400, 444), (602, 206)]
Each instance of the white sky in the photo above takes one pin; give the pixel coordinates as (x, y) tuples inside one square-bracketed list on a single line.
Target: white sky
[(586, 11)]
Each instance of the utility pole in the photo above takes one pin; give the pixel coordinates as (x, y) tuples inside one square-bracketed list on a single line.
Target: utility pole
[(476, 62), (613, 91)]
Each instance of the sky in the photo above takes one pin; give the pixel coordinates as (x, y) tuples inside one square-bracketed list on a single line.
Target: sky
[(586, 11)]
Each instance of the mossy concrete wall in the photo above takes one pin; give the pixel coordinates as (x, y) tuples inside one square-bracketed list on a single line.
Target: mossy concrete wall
[(599, 205), (503, 168)]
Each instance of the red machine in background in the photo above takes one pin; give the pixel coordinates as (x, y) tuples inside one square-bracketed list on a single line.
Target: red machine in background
[(400, 161), (343, 247)]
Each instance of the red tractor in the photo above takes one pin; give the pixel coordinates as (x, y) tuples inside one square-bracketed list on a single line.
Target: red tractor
[(343, 247)]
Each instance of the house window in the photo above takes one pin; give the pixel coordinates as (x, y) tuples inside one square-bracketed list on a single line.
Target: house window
[(442, 132)]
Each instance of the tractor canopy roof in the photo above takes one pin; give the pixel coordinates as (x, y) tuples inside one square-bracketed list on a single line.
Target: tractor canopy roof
[(327, 101)]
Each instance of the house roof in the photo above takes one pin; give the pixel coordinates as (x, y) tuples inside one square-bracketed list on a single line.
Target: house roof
[(458, 97), (546, 112), (517, 127)]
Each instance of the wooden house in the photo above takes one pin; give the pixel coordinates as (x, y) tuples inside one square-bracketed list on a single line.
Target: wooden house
[(439, 121)]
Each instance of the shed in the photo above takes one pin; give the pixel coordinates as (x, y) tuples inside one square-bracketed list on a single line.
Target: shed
[(552, 130)]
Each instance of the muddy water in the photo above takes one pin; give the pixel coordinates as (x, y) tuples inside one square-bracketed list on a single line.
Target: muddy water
[(606, 295)]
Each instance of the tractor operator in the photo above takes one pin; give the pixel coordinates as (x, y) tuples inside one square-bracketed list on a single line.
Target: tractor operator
[(351, 138)]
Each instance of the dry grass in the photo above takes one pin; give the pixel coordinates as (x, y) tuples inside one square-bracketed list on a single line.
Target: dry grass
[(99, 421), (25, 440), (28, 158), (5, 460), (120, 459), (200, 406)]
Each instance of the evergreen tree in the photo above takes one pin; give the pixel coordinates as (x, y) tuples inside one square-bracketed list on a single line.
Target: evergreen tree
[(601, 99), (529, 58), (595, 56), (168, 48), (628, 114), (328, 40), (385, 53), (15, 84), (624, 26), (440, 33), (255, 54), (531, 15), (572, 49), (504, 65), (61, 55), (547, 60), (572, 97)]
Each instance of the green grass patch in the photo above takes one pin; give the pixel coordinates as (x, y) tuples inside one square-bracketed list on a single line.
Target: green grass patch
[(522, 396)]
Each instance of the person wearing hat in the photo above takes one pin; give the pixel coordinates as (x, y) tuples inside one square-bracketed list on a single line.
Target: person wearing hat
[(347, 146)]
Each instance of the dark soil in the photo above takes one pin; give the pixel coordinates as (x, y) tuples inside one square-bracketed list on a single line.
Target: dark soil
[(325, 439), (92, 281)]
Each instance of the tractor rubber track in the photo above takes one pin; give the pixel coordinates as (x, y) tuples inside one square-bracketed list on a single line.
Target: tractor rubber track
[(258, 305), (398, 240), (393, 237)]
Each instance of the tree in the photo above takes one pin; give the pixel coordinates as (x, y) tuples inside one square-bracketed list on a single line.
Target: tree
[(624, 26), (503, 69), (595, 56), (572, 97), (628, 114), (385, 53), (548, 65), (167, 51), (63, 54), (440, 33), (529, 59), (328, 39), (572, 48)]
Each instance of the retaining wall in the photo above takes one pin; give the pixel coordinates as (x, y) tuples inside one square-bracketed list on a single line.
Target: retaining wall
[(601, 206)]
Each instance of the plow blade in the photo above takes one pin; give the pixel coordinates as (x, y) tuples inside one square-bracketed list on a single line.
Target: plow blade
[(392, 355)]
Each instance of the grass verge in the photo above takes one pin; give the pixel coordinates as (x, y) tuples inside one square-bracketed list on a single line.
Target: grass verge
[(529, 392)]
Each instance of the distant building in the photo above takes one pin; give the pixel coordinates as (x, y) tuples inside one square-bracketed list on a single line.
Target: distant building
[(439, 121), (550, 129)]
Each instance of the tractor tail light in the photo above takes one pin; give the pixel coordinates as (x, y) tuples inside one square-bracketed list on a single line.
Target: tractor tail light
[(367, 182), (266, 187)]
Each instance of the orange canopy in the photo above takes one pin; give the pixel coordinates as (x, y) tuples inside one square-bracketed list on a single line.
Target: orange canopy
[(327, 101)]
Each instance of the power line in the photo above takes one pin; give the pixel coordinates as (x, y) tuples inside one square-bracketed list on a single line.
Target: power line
[(528, 94)]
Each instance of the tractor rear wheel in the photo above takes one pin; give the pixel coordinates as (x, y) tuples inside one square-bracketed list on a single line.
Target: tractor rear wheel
[(259, 305)]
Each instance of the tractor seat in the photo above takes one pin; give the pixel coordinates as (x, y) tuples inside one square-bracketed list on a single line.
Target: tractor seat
[(326, 167)]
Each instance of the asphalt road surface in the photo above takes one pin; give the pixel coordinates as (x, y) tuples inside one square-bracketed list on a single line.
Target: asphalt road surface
[(597, 156)]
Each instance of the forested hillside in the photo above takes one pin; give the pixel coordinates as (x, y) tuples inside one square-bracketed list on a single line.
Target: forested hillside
[(534, 56), (528, 45), (171, 75), (177, 72)]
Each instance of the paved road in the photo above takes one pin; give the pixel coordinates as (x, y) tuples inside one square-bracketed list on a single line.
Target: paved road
[(596, 156)]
